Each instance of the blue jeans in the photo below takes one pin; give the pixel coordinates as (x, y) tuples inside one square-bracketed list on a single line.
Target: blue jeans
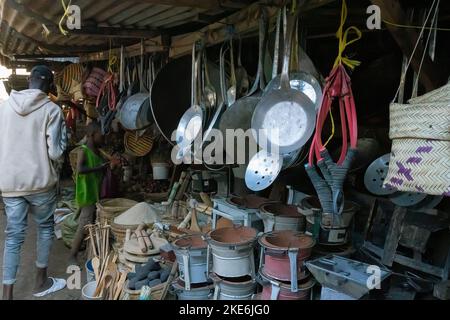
[(42, 206)]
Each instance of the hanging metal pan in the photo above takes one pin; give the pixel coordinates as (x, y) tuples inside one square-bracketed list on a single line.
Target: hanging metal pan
[(285, 117), (191, 123), (239, 115)]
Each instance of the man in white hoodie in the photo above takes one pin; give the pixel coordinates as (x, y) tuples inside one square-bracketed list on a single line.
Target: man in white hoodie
[(32, 138)]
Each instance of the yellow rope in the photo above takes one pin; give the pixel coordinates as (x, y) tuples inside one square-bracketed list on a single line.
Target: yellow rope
[(332, 129), (65, 15), (112, 59), (343, 42)]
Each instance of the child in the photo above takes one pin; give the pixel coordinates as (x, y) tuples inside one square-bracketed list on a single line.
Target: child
[(90, 169)]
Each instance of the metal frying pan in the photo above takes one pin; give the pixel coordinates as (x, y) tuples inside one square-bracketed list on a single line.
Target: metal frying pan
[(191, 123), (262, 170), (239, 115), (171, 92), (284, 117)]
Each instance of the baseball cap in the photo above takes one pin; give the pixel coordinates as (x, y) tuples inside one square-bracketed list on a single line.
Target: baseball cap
[(42, 72)]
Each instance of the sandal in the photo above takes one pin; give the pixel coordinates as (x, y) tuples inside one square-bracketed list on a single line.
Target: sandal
[(58, 284)]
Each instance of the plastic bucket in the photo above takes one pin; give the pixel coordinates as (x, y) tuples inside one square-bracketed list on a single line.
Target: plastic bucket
[(87, 292), (160, 171), (90, 275)]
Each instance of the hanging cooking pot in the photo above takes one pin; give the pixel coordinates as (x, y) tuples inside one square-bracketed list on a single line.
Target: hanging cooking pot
[(135, 113), (284, 118)]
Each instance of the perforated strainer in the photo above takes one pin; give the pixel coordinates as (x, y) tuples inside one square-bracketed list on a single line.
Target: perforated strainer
[(262, 170)]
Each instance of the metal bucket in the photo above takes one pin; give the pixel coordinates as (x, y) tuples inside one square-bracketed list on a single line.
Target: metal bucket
[(241, 288), (283, 254), (197, 292), (278, 216), (329, 232), (135, 113), (276, 290), (191, 253), (232, 251)]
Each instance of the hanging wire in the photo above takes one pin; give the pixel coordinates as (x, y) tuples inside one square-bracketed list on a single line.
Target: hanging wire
[(414, 50), (428, 41)]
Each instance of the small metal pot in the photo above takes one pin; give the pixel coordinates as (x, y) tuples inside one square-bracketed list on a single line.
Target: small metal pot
[(232, 251), (241, 288), (281, 217), (202, 291), (191, 253)]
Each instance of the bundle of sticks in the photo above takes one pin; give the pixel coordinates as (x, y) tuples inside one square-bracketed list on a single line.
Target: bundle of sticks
[(109, 280)]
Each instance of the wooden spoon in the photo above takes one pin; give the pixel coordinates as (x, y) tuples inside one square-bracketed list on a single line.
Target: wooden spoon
[(194, 223), (95, 265)]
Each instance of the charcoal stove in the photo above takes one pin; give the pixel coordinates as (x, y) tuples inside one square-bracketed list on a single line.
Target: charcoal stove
[(239, 214)]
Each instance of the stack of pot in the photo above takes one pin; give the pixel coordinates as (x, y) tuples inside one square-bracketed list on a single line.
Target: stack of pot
[(193, 282), (233, 264), (278, 216), (282, 271)]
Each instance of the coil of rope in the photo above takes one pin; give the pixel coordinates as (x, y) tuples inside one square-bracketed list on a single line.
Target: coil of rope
[(337, 89), (109, 90)]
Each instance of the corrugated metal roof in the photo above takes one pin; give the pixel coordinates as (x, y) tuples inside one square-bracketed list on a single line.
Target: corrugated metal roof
[(23, 20)]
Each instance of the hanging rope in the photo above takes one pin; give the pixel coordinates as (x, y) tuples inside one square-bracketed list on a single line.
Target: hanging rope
[(343, 40), (64, 16)]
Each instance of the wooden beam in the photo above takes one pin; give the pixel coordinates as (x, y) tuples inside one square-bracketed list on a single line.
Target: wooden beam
[(432, 76), (244, 21), (110, 32), (393, 236), (200, 4)]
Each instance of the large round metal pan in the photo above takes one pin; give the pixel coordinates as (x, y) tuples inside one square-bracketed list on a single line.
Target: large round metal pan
[(284, 119), (171, 92)]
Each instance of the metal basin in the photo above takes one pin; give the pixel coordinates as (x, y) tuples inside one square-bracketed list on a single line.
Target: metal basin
[(135, 113)]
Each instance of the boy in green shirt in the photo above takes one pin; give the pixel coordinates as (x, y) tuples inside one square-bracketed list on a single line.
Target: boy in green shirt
[(90, 168)]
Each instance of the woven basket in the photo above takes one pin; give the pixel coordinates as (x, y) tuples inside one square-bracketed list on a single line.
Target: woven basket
[(420, 155), (136, 145), (108, 209)]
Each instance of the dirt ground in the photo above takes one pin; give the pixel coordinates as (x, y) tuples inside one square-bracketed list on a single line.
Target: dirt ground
[(25, 277)]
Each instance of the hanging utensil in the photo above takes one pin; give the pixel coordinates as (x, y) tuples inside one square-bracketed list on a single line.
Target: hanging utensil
[(223, 103), (284, 118), (209, 92), (242, 80), (262, 170), (231, 92), (191, 123), (299, 80), (239, 115)]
